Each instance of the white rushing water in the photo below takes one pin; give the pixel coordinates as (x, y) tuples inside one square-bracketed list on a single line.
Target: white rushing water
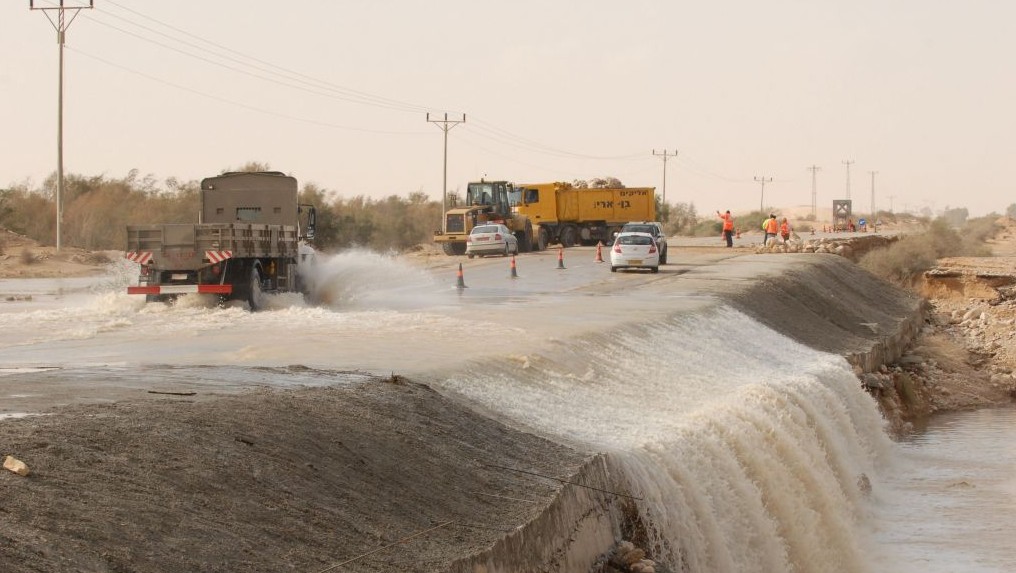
[(745, 446)]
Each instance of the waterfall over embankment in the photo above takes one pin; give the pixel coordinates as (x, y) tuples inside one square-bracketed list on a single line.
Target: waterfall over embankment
[(729, 443)]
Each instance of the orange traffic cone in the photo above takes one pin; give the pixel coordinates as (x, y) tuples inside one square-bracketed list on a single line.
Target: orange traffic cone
[(599, 252), (515, 273), (459, 282), (560, 258), (737, 233)]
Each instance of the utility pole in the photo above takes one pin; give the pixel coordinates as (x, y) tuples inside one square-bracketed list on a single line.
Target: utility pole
[(762, 201), (873, 212), (847, 162), (814, 193), (665, 157), (60, 24), (891, 199), (445, 125)]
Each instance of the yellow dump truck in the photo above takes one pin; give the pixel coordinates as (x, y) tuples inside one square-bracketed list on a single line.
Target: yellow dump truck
[(564, 214)]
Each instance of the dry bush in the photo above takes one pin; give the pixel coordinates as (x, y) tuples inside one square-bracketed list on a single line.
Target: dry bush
[(27, 257), (909, 257), (902, 261)]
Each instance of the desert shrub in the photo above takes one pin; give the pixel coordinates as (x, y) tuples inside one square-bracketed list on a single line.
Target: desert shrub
[(27, 257), (907, 258), (981, 228), (680, 218), (707, 228), (903, 260)]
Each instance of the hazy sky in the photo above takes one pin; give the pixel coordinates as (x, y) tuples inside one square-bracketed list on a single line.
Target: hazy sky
[(336, 93)]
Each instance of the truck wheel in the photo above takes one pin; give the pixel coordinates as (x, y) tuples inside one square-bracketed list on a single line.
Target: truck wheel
[(526, 241), (542, 238), (255, 298), (663, 256), (568, 236), (453, 249)]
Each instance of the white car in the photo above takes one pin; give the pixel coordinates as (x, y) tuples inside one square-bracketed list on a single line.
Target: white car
[(491, 239), (654, 228), (635, 251)]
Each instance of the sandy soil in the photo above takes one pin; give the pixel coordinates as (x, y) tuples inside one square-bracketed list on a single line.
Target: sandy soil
[(967, 355), (21, 257), (131, 486)]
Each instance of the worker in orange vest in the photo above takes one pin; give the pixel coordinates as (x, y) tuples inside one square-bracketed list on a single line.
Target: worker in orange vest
[(772, 228), (728, 227), (785, 230)]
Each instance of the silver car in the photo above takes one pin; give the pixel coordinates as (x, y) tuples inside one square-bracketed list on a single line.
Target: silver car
[(491, 239)]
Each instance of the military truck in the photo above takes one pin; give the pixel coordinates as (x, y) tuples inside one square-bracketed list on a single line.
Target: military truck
[(486, 202), (570, 215), (251, 238)]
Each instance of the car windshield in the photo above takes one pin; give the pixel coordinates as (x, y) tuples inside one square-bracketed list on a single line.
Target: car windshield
[(484, 229), (651, 229), (635, 240)]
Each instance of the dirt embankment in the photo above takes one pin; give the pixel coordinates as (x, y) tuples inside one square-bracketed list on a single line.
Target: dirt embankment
[(965, 356), (23, 258), (270, 481)]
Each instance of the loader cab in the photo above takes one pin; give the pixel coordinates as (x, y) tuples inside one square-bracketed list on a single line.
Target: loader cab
[(490, 196)]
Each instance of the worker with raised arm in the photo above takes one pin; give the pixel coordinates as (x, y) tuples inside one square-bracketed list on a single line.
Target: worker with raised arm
[(728, 227)]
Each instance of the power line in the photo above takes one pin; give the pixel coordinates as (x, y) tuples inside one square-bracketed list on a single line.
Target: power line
[(349, 94), (566, 174), (313, 85), (260, 73), (511, 139), (239, 104)]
